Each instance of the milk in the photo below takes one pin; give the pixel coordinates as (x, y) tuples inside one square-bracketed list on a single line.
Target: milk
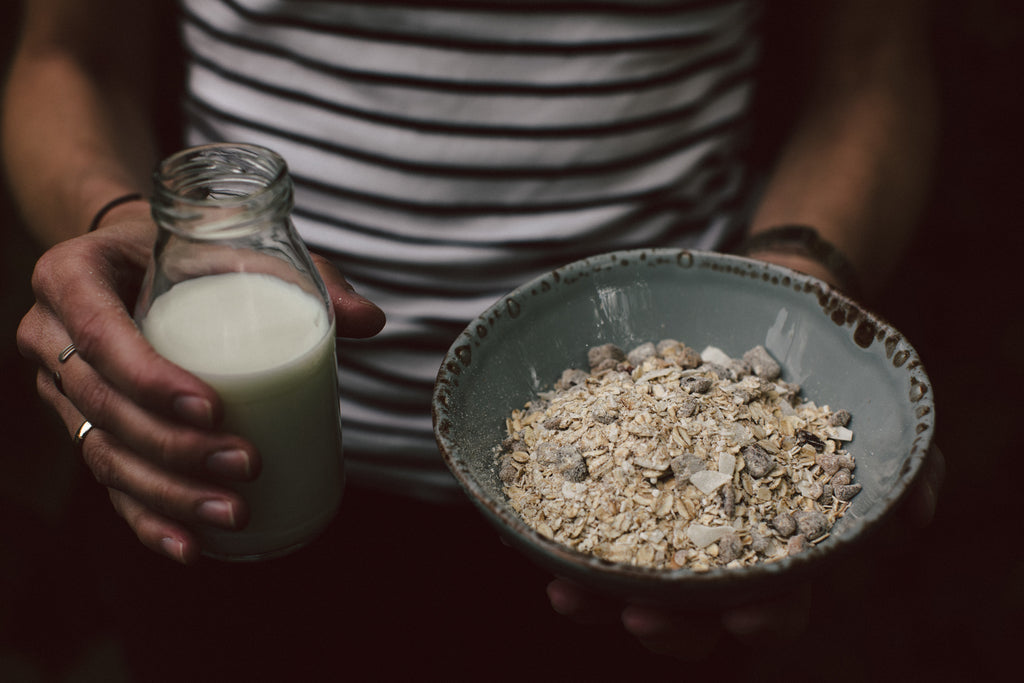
[(267, 347)]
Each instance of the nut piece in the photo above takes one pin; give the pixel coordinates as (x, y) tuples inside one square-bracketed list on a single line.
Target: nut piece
[(761, 362), (784, 524), (829, 463), (570, 378), (841, 478), (840, 418), (811, 523), (797, 544), (729, 548), (605, 411), (696, 384), (641, 353), (604, 357), (685, 466), (846, 492), (759, 462), (805, 437)]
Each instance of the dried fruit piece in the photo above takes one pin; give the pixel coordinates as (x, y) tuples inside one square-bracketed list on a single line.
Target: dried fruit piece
[(758, 461), (784, 524), (840, 418), (811, 523), (604, 357)]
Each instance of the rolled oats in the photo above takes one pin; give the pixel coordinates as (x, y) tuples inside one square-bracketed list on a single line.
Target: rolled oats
[(665, 457)]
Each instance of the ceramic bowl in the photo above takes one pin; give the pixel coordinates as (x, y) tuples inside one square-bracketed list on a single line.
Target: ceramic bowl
[(839, 354)]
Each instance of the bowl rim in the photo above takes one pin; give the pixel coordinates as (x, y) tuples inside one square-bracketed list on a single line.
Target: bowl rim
[(867, 325)]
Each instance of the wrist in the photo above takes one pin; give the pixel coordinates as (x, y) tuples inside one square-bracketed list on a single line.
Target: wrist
[(801, 248), (114, 206)]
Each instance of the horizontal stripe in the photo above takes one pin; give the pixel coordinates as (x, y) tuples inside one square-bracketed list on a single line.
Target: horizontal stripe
[(661, 37), (610, 7), (473, 173), (739, 74), (655, 73), (487, 246)]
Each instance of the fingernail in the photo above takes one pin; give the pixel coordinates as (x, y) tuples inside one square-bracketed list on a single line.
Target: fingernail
[(174, 548), (741, 622), (366, 302), (233, 464), (196, 410), (645, 623), (219, 512)]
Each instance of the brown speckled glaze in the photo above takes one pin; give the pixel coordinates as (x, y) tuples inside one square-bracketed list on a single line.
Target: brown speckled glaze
[(840, 353)]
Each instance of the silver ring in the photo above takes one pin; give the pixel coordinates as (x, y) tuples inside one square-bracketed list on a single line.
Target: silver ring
[(68, 351), (80, 435), (58, 381)]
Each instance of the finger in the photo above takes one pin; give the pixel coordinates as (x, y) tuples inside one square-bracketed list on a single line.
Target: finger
[(51, 393), (916, 511), (924, 497), (166, 494), (155, 530), (78, 284), (173, 446), (357, 316), (580, 605), (185, 501), (770, 623), (802, 264), (688, 637), (157, 533)]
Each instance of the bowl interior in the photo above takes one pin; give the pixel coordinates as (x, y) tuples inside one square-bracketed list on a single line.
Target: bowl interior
[(839, 354)]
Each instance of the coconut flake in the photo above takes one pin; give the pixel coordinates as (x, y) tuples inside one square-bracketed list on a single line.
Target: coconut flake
[(709, 480), (713, 354), (726, 463), (840, 433), (703, 536)]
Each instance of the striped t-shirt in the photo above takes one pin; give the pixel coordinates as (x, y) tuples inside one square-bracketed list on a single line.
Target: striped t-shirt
[(445, 151)]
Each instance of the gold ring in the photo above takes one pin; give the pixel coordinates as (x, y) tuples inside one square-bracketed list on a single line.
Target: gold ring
[(68, 351), (80, 435)]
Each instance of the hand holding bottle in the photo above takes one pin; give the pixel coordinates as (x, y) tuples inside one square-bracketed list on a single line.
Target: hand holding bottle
[(156, 444)]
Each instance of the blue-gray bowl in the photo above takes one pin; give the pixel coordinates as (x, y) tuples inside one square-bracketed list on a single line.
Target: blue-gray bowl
[(839, 353)]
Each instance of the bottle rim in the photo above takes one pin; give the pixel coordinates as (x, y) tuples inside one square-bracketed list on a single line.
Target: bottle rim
[(217, 188)]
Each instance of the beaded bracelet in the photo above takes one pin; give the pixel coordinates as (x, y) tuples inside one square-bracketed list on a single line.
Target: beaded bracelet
[(804, 240), (111, 205)]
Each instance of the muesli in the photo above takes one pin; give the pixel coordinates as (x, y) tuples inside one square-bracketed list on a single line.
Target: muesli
[(665, 457)]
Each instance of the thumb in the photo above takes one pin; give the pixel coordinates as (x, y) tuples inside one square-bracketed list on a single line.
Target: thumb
[(357, 316)]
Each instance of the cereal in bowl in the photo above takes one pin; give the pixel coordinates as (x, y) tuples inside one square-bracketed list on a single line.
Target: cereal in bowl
[(665, 457)]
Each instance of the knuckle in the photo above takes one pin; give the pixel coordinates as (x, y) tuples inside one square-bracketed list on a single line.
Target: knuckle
[(91, 332), (155, 492), (164, 496), (174, 499), (146, 376), (46, 272), (27, 335), (54, 270), (100, 462), (42, 382), (95, 397), (176, 450), (119, 501)]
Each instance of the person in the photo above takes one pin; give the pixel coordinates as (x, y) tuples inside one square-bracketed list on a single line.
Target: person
[(442, 154)]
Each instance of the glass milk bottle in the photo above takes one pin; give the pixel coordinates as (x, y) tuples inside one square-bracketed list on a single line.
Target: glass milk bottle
[(232, 296)]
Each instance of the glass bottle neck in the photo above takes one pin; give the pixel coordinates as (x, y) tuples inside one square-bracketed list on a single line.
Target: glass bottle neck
[(221, 191)]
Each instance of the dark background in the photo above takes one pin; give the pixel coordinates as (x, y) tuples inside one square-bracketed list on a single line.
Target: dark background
[(957, 298)]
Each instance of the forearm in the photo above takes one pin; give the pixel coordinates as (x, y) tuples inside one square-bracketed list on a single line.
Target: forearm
[(76, 130), (857, 166)]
